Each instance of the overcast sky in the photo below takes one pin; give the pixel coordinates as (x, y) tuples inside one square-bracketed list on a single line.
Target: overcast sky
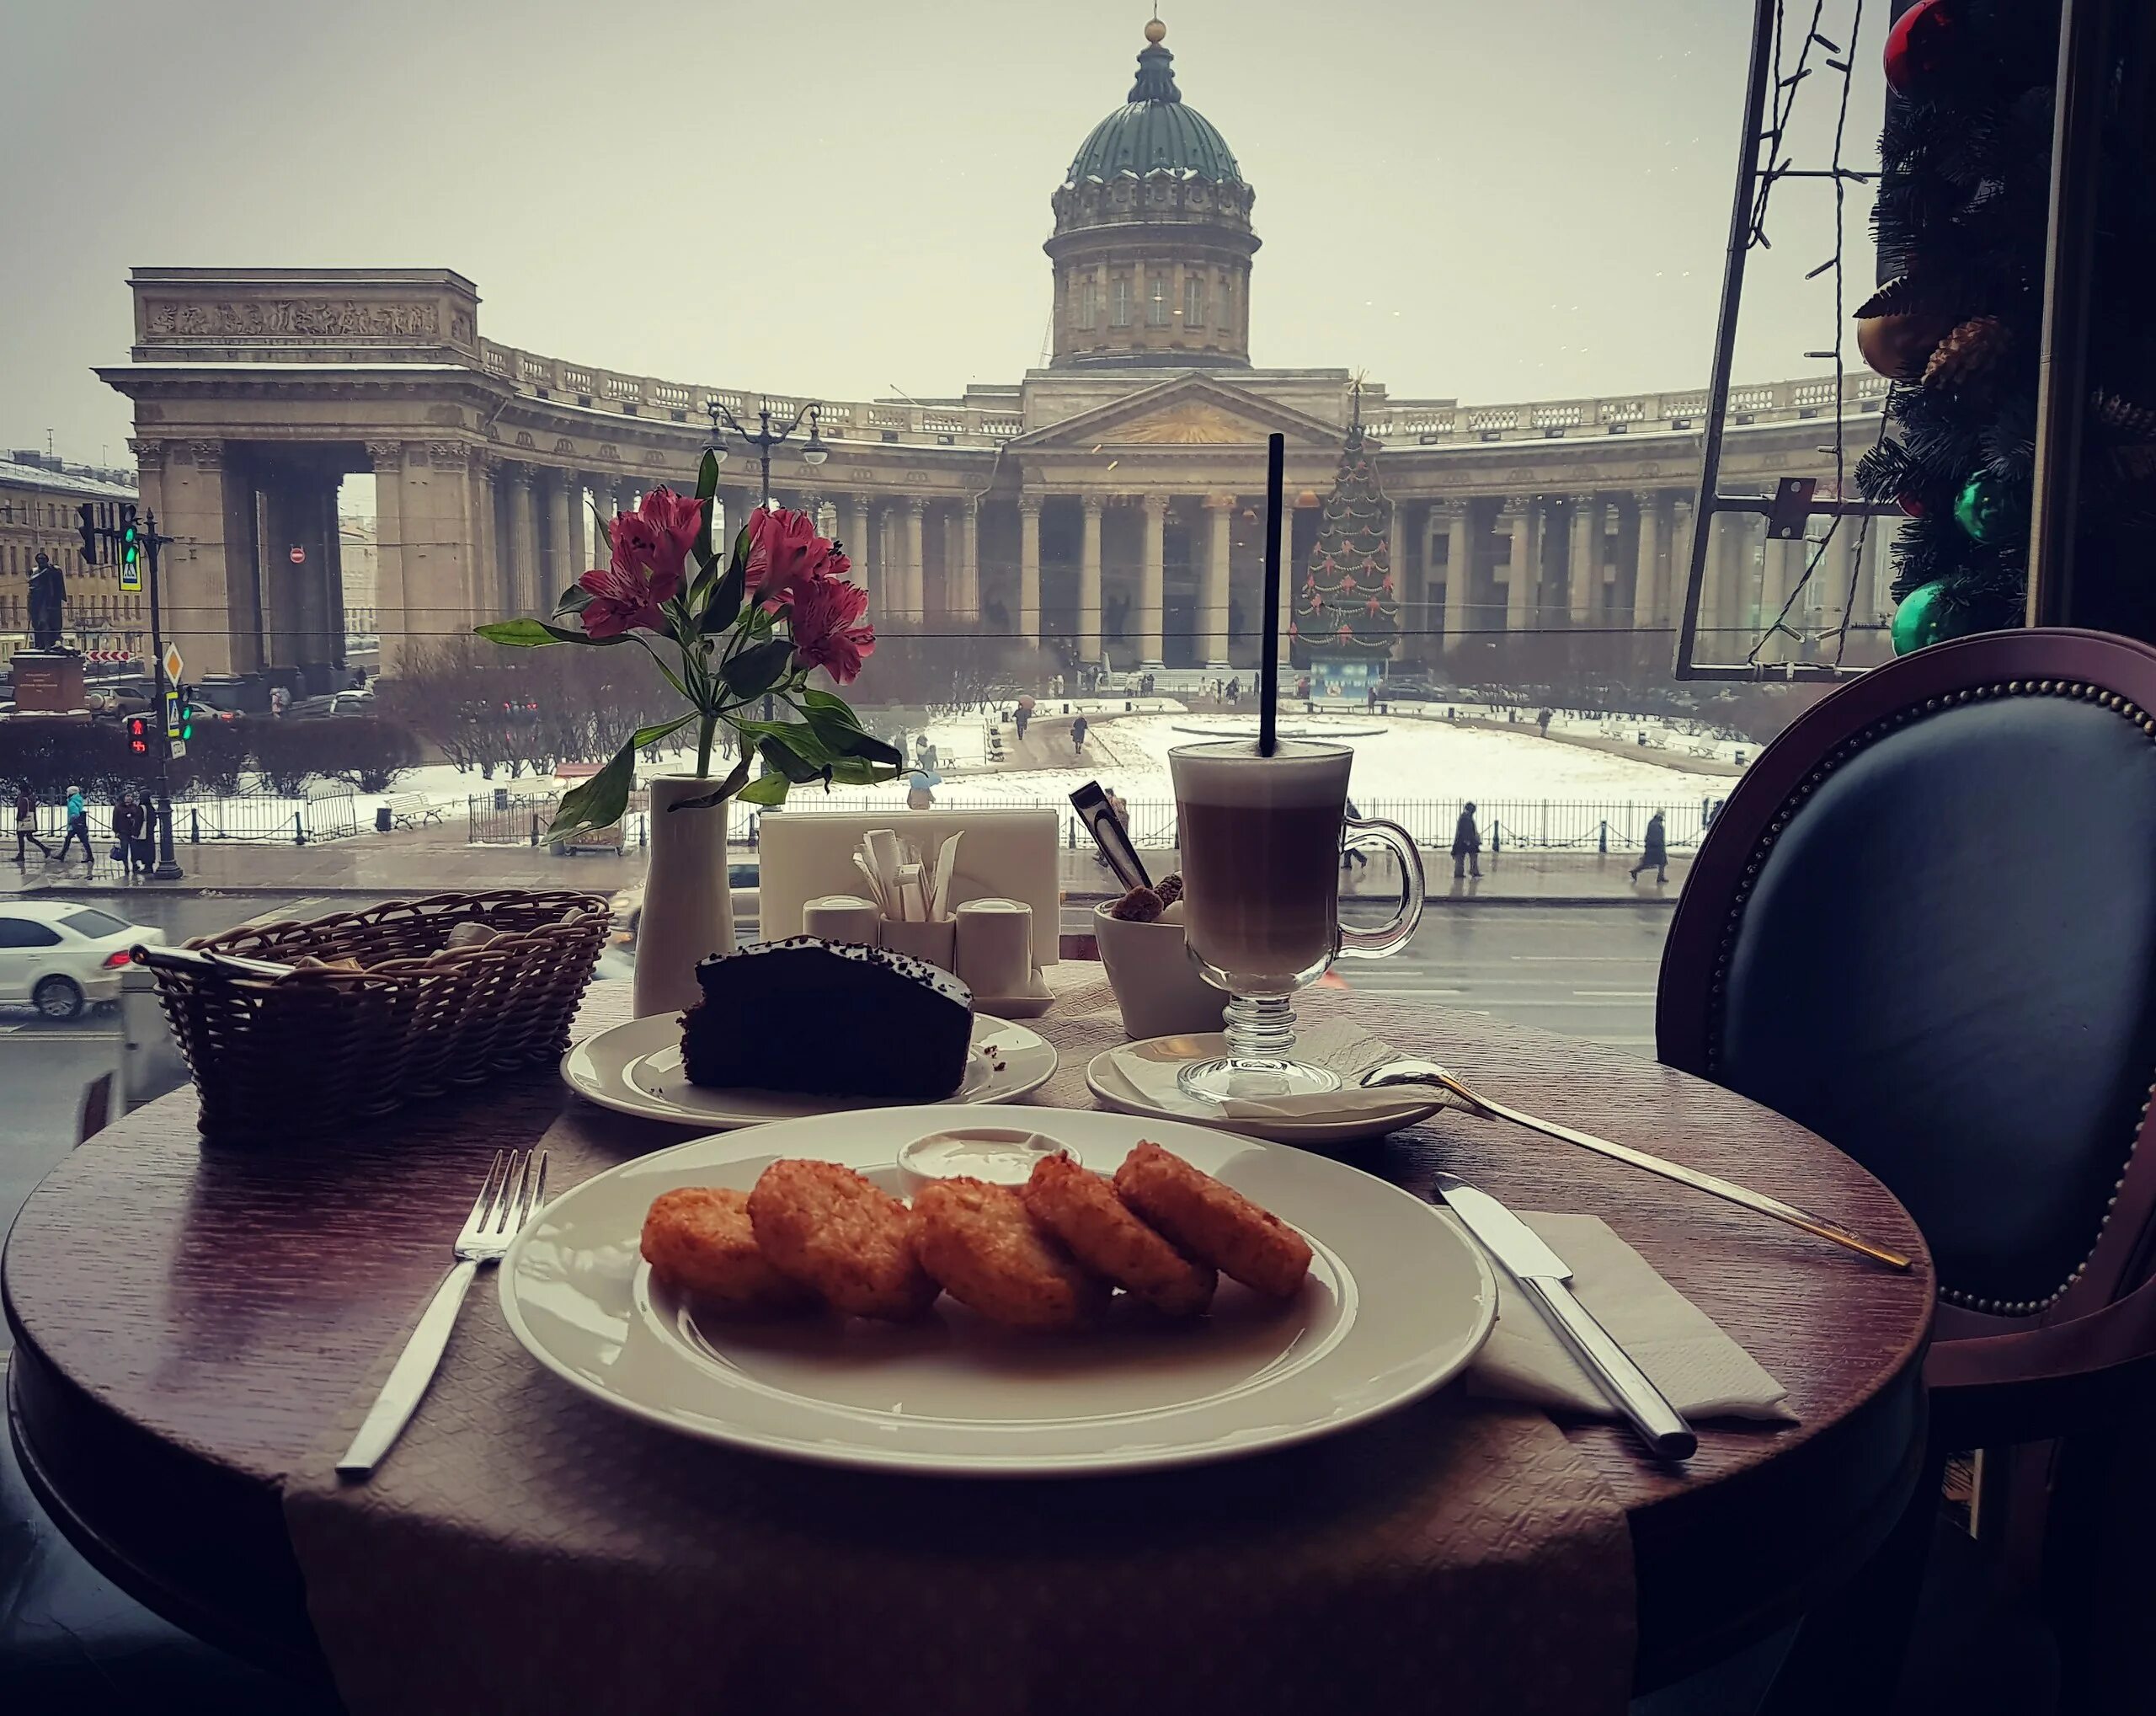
[(1525, 200)]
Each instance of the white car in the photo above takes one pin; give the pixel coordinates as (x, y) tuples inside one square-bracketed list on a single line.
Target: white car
[(62, 957)]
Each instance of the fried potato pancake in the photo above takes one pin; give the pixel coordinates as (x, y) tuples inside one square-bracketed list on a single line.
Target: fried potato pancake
[(1081, 1209), (1214, 1223)]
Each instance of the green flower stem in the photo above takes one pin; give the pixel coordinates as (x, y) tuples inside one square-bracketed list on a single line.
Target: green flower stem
[(706, 729)]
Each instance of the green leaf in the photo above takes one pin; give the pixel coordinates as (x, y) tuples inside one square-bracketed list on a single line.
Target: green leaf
[(599, 802), (766, 789), (779, 751), (573, 600), (756, 669), (843, 737), (707, 492), (528, 634), (859, 772)]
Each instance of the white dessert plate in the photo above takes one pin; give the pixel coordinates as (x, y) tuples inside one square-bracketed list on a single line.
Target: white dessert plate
[(1397, 1303), (1108, 1078), (637, 1068)]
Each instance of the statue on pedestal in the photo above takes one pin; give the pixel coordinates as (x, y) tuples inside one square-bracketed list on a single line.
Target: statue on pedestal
[(48, 594)]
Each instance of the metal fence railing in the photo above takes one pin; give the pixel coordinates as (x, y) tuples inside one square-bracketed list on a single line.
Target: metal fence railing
[(1543, 825), (329, 811)]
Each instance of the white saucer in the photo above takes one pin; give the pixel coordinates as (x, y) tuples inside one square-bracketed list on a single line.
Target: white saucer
[(1317, 1130), (1397, 1303), (636, 1068)]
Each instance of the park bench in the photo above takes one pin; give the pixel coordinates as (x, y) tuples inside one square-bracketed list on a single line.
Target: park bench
[(412, 810)]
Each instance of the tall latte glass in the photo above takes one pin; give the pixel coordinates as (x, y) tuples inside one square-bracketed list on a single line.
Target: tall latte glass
[(1262, 838)]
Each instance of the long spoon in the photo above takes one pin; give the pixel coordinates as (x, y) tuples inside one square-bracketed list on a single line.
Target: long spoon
[(1413, 1072)]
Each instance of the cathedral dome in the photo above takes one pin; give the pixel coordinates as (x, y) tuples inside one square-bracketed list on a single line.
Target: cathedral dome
[(1153, 242), (1155, 131)]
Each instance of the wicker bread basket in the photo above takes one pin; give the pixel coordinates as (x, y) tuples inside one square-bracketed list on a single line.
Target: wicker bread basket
[(315, 1050)]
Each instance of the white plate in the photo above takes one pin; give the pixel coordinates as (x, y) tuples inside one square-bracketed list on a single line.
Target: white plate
[(1397, 1302), (637, 1068), (1317, 1131)]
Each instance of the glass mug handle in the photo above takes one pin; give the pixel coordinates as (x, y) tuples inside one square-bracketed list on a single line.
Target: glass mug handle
[(1376, 943)]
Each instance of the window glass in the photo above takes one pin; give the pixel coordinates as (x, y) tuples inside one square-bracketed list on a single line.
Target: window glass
[(1119, 301), (90, 922), (1156, 303), (1228, 304), (22, 933), (1193, 301)]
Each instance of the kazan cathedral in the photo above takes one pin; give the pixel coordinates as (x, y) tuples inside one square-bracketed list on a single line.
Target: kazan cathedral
[(1107, 508)]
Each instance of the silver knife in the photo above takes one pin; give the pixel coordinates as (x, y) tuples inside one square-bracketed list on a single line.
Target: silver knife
[(1543, 1277)]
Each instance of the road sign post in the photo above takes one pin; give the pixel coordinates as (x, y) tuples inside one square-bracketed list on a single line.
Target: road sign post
[(168, 655)]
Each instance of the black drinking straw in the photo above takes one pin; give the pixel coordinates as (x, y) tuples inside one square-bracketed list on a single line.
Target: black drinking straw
[(1269, 682)]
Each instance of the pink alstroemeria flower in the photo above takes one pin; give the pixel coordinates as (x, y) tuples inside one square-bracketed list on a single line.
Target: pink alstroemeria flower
[(827, 633), (623, 599), (784, 553)]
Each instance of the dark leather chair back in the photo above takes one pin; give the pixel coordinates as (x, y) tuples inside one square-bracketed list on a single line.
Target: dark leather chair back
[(1924, 926)]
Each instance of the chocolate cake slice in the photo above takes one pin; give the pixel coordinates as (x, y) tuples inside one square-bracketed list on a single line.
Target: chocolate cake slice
[(829, 1019)]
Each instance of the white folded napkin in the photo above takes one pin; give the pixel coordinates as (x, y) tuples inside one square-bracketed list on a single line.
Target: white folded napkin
[(1350, 1050), (1701, 1372)]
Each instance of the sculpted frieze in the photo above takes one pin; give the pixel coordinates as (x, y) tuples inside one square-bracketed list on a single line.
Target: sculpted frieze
[(307, 319)]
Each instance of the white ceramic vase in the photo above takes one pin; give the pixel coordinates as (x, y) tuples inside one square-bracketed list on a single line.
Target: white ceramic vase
[(688, 908)]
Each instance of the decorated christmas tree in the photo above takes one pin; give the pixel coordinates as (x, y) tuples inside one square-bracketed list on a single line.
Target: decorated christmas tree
[(1963, 199), (1345, 608)]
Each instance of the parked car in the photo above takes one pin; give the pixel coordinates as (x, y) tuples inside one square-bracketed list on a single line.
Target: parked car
[(62, 958), (1415, 688)]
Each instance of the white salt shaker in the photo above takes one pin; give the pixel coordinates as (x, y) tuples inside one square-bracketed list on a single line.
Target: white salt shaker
[(841, 917), (994, 946)]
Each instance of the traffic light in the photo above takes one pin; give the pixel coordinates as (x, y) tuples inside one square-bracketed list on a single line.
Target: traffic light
[(186, 715), (88, 529), (130, 539), (138, 735)]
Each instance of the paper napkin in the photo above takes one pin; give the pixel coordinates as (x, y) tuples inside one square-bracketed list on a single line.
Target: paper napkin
[(1348, 1049), (1701, 1371)]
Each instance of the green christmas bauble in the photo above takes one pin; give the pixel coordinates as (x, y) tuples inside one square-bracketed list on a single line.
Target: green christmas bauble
[(1981, 507), (1925, 616)]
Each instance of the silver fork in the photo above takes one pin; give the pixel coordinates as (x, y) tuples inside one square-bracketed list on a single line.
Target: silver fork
[(516, 1185)]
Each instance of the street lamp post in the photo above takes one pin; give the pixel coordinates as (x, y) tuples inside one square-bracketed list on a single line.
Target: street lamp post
[(764, 440), (814, 452)]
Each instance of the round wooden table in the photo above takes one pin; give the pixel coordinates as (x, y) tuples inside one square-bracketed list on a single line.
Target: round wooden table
[(188, 1318)]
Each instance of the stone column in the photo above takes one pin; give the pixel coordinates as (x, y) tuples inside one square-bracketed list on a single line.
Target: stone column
[(1583, 562), (1152, 581), (1029, 568), (1459, 571), (1837, 574), (1089, 585), (580, 555), (858, 536), (1647, 604), (559, 572), (208, 575), (1680, 558), (523, 568), (1517, 518), (1212, 587), (915, 575), (399, 629), (965, 605)]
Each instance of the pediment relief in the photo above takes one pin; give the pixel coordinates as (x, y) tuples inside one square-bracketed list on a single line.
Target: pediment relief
[(1193, 423)]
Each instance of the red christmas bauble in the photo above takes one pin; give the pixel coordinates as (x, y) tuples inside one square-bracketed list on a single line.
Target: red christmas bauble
[(1919, 43), (1911, 504)]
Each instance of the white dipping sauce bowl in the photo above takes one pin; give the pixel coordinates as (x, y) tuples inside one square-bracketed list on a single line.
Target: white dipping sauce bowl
[(1003, 1155)]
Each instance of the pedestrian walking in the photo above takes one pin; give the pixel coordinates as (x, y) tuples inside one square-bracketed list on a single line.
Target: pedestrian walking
[(1078, 736), (26, 825), (1235, 691), (1020, 716), (1466, 843), (1353, 859), (1373, 698), (126, 832), (1543, 721), (918, 795), (78, 827), (1655, 851), (1117, 804)]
